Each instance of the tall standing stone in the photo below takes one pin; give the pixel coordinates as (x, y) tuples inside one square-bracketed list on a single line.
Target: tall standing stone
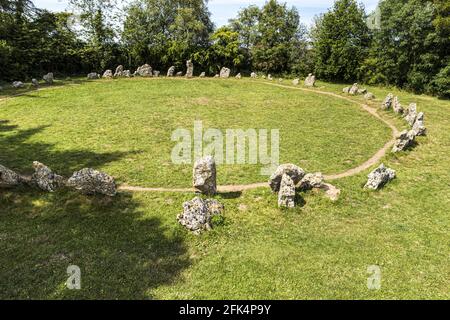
[(388, 102), (48, 78), (108, 74), (205, 179), (225, 73), (411, 114), (119, 71), (397, 106), (310, 81), (419, 125), (171, 71), (291, 170), (286, 195), (190, 69)]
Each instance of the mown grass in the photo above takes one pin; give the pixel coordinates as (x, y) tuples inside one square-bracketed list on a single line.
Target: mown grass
[(131, 247)]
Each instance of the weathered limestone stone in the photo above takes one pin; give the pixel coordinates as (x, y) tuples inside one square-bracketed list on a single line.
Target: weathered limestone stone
[(419, 125), (179, 74), (35, 83), (145, 70), (156, 73), (90, 181), (48, 78), (411, 114), (225, 73), (205, 180), (354, 89), (269, 77), (311, 181), (119, 71), (9, 178), (404, 140), (202, 75), (238, 76), (45, 179), (190, 69), (126, 73), (171, 71), (253, 75), (331, 191), (93, 76), (346, 90), (286, 195), (388, 102), (380, 177), (291, 170), (369, 96), (18, 84), (397, 106), (310, 80), (295, 82), (108, 74), (197, 214)]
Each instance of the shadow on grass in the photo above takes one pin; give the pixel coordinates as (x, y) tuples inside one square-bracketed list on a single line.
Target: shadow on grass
[(29, 89), (122, 250)]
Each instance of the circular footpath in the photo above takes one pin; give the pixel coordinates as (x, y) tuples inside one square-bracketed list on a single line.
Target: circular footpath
[(240, 188)]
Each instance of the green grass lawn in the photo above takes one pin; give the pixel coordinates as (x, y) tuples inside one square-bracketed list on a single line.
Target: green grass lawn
[(131, 247)]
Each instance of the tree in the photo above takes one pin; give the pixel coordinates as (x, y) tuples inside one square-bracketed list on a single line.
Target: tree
[(341, 41)]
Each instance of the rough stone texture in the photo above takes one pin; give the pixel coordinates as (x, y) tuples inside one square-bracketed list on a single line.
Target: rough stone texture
[(369, 96), (18, 84), (238, 76), (404, 140), (291, 170), (397, 106), (45, 179), (198, 212), (202, 75), (119, 71), (362, 91), (108, 74), (179, 74), (205, 176), (311, 181), (225, 73), (93, 76), (90, 181), (286, 195), (190, 69), (296, 82), (310, 80), (346, 90), (145, 70), (269, 77), (331, 191), (126, 73), (253, 75), (388, 102), (171, 71), (379, 177), (419, 125), (9, 178), (48, 78), (34, 82), (411, 114), (354, 89)]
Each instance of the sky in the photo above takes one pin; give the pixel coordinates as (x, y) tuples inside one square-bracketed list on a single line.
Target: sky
[(223, 10)]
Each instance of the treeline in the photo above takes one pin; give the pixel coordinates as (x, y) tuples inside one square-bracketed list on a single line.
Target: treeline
[(406, 44)]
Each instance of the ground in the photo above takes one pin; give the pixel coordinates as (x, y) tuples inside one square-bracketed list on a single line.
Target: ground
[(131, 247)]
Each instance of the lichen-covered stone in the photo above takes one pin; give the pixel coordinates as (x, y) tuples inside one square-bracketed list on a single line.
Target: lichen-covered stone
[(18, 84), (310, 80), (404, 141), (171, 71), (93, 76), (311, 181), (126, 73), (119, 71), (108, 74), (286, 195), (225, 73), (253, 75), (197, 214), (145, 71), (190, 69), (354, 89), (9, 178), (397, 106), (45, 178), (48, 78), (411, 114), (387, 103), (204, 176), (380, 177), (291, 170), (346, 90), (90, 181), (369, 96), (296, 82), (419, 125)]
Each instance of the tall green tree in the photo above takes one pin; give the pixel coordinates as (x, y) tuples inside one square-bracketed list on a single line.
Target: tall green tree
[(341, 42)]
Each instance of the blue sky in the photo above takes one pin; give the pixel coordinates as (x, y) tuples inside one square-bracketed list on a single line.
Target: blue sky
[(222, 10)]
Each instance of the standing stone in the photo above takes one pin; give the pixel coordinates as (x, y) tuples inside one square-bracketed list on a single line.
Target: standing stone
[(171, 71), (286, 195), (90, 181), (108, 74), (369, 96), (225, 73), (388, 102), (156, 73), (197, 214), (126, 73), (205, 180), (202, 75), (238, 76), (93, 76), (310, 80), (18, 84), (9, 178), (190, 69), (179, 74), (45, 179), (379, 177), (354, 89), (404, 141), (253, 75), (346, 90), (269, 77), (396, 105), (296, 82), (291, 170), (411, 114), (119, 71), (35, 83), (145, 70), (419, 125), (48, 78), (311, 181)]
